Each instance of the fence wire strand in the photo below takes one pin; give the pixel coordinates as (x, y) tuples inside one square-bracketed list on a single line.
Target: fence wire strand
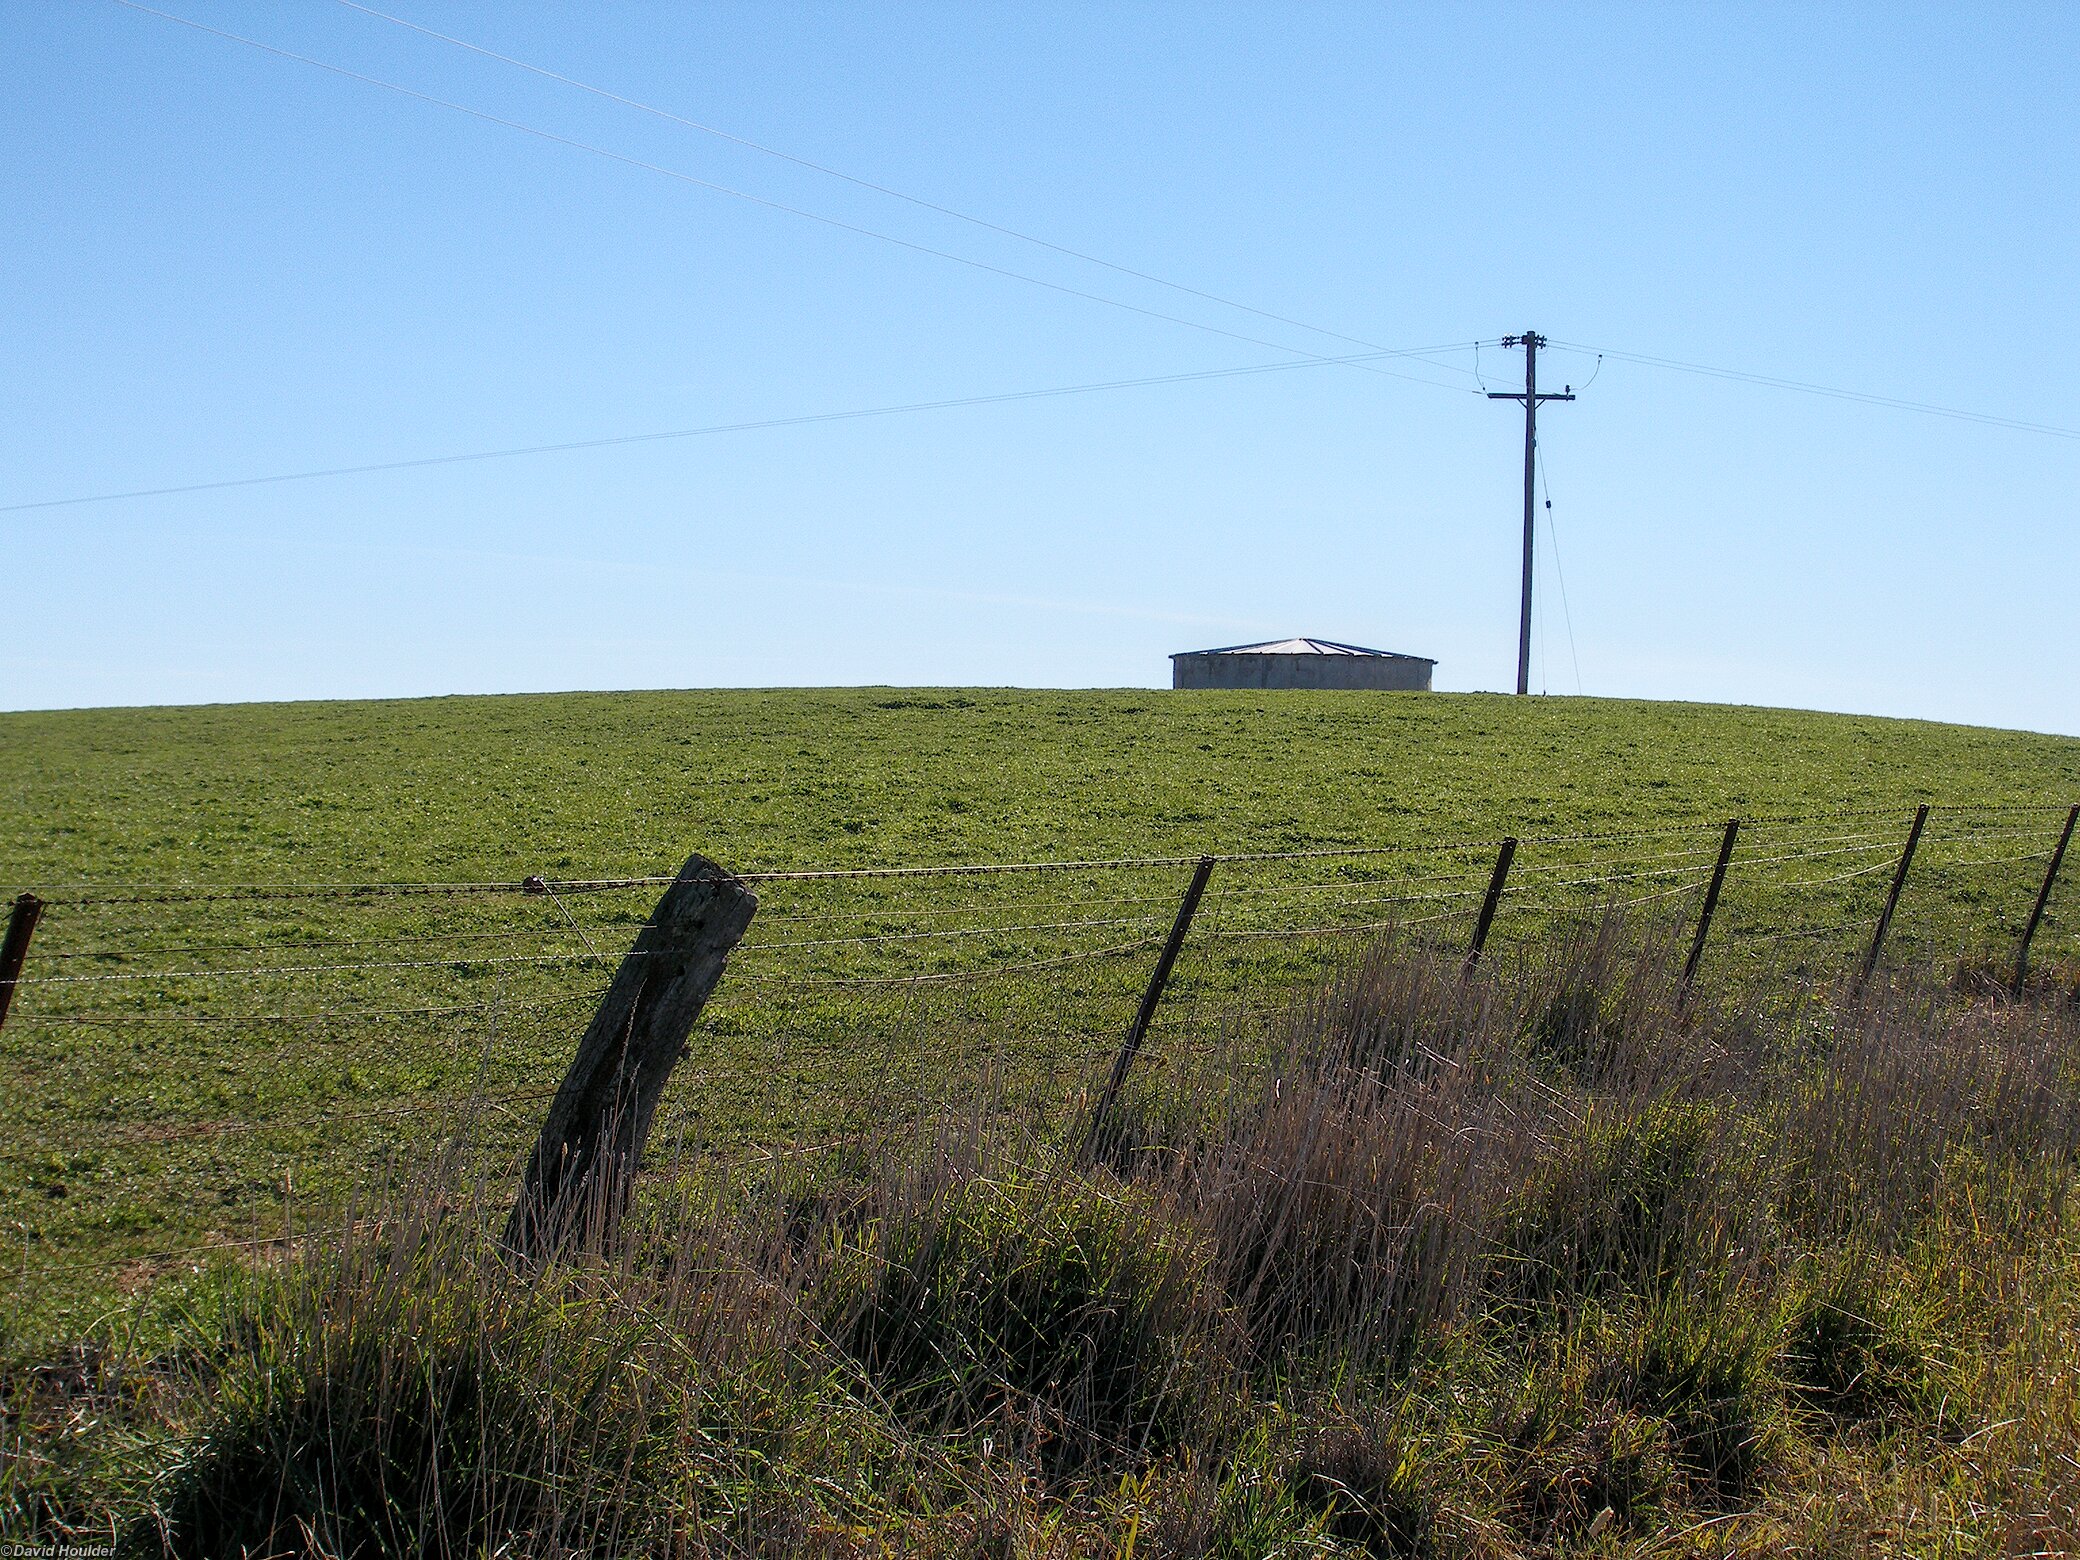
[(910, 976)]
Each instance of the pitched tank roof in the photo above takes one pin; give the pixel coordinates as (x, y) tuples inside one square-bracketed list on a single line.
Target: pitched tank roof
[(1303, 647)]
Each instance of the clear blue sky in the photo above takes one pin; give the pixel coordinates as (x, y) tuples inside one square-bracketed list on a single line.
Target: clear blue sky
[(219, 263)]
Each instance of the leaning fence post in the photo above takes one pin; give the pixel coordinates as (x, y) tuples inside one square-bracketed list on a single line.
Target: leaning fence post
[(1711, 900), (2036, 914), (581, 1172), (1899, 881), (21, 926), (1143, 1015), (1503, 858)]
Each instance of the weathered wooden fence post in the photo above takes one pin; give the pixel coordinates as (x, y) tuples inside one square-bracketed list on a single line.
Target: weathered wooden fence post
[(2036, 914), (1496, 880), (578, 1179), (21, 926), (1143, 1015), (1899, 881), (1711, 900)]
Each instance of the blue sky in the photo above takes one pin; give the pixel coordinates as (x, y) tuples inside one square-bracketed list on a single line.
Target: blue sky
[(223, 264)]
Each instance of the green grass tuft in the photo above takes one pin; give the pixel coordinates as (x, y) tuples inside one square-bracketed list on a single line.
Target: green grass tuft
[(1056, 1313)]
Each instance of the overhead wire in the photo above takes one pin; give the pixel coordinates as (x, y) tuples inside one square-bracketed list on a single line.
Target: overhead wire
[(755, 425), (1370, 364), (745, 195), (1833, 392), (1559, 570), (1545, 659), (854, 179)]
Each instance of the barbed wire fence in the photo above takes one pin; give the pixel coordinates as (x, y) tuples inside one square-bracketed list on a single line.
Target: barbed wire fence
[(206, 1069)]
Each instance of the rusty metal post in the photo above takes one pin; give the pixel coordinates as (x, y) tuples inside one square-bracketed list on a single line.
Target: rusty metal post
[(1899, 881), (1146, 1013), (2036, 914), (1496, 880), (1711, 900), (21, 926)]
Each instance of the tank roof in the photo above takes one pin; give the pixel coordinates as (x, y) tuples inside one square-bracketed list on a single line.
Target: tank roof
[(1303, 646)]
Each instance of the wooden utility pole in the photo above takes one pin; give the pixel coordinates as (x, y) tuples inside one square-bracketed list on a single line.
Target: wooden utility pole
[(1530, 341)]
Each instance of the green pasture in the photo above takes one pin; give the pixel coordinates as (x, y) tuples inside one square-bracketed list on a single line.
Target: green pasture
[(603, 784), (183, 1071)]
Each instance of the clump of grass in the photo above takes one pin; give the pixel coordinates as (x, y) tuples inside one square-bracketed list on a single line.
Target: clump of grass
[(1576, 1469), (1627, 1416), (1704, 1372), (70, 1422), (405, 1390), (1056, 1311), (1601, 1004), (1856, 1355), (1368, 1479), (1632, 1203), (410, 1403)]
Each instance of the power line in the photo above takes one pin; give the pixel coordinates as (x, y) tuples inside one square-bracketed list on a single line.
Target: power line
[(1161, 281), (756, 200), (1646, 359), (1834, 392), (1545, 656), (1553, 542), (854, 179), (693, 433)]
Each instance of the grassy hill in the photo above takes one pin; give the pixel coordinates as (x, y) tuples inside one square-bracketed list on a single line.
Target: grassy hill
[(194, 1064), (610, 783), (189, 1070)]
